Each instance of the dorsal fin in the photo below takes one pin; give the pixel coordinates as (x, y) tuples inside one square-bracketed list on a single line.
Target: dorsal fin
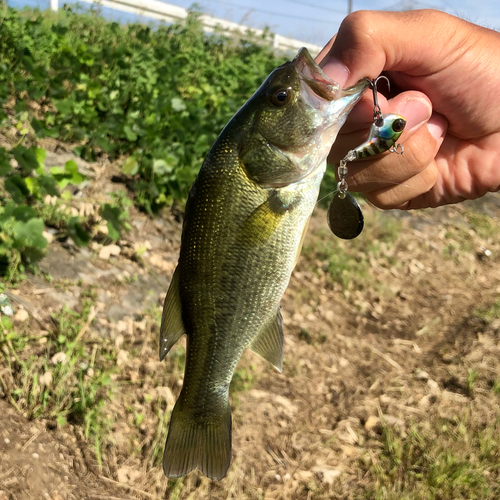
[(269, 342), (172, 327)]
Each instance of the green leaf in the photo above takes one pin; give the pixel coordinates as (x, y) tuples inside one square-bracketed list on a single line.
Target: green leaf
[(7, 211), (27, 158), (5, 166), (60, 176), (177, 104), (32, 185), (129, 134), (24, 213), (113, 230), (67, 175), (64, 106), (29, 234), (77, 233), (114, 216), (38, 127), (61, 421), (6, 323), (131, 166), (161, 167), (71, 168), (41, 154), (48, 185), (17, 188)]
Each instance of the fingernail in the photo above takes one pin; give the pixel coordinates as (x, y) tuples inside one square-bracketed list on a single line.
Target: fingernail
[(335, 70), (416, 111), (435, 130), (437, 126)]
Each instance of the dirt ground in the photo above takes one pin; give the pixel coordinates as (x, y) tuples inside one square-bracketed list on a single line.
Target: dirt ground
[(388, 331)]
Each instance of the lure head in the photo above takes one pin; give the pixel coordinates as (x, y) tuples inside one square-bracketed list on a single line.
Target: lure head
[(383, 135), (389, 127)]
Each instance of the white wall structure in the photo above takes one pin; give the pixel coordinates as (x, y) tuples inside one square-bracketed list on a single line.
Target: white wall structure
[(161, 11)]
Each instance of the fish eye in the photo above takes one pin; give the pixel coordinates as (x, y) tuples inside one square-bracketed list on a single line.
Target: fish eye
[(398, 125), (281, 97)]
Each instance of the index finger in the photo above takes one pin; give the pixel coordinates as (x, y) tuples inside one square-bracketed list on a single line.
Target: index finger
[(369, 42)]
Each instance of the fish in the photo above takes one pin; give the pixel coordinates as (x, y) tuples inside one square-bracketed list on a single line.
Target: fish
[(245, 220)]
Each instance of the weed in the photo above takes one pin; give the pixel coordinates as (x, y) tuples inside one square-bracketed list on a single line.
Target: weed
[(34, 201), (349, 262), (483, 225), (157, 97), (243, 379), (488, 313), (155, 449), (471, 380), (69, 381), (437, 460), (496, 387), (116, 214), (305, 335)]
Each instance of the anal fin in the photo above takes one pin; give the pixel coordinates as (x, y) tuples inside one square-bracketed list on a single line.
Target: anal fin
[(172, 327), (269, 343)]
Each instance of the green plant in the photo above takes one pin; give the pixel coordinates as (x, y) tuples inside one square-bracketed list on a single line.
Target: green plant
[(349, 263), (70, 380), (243, 379), (157, 97), (116, 214), (472, 376), (488, 313), (24, 211), (436, 460), (34, 197), (496, 387)]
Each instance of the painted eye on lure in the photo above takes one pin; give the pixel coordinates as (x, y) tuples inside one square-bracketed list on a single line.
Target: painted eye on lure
[(399, 125)]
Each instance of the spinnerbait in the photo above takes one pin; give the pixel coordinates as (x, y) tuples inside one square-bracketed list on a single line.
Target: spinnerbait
[(344, 213)]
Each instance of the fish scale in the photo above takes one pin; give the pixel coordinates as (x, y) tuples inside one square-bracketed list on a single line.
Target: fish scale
[(243, 229)]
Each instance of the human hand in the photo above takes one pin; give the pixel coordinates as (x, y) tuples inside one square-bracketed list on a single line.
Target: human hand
[(446, 76)]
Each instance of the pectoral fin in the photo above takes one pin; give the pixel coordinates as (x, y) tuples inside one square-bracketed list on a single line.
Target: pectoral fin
[(302, 238), (265, 220), (172, 327), (269, 343)]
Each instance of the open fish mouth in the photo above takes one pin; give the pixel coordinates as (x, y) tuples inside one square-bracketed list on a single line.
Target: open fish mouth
[(320, 82)]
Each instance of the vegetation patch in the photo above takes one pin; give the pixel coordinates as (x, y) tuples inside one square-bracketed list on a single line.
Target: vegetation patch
[(438, 459), (61, 375)]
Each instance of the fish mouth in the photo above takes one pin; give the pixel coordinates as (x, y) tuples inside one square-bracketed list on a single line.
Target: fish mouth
[(319, 82)]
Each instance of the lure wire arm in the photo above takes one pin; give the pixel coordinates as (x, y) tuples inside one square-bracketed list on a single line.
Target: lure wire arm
[(377, 112)]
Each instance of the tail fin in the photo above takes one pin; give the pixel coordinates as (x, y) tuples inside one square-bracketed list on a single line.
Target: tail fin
[(191, 444)]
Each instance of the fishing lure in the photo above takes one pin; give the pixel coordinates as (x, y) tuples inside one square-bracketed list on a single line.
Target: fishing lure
[(344, 215)]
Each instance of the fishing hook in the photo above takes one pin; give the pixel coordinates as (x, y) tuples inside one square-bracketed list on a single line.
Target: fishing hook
[(377, 112)]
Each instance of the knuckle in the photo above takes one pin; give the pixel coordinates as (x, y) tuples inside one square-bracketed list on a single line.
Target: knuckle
[(418, 153), (386, 200), (359, 24)]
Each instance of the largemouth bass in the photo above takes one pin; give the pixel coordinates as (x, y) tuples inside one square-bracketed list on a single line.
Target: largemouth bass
[(245, 219)]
